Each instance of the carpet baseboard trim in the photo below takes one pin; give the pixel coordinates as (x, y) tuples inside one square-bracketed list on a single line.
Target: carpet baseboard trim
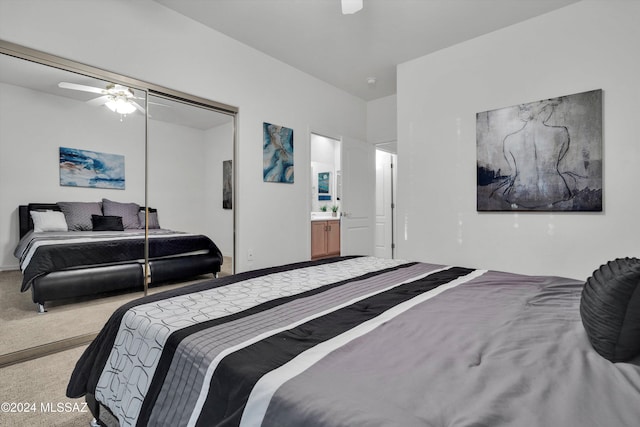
[(45, 349)]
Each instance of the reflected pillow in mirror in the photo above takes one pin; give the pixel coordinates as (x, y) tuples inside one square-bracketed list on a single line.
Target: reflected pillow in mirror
[(78, 214), (48, 221), (153, 219), (128, 212), (107, 223)]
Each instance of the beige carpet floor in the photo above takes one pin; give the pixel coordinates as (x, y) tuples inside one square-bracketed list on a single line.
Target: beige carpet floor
[(22, 327), (41, 384)]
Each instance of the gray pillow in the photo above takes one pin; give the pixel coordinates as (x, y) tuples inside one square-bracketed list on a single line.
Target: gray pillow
[(78, 214), (128, 212), (153, 219)]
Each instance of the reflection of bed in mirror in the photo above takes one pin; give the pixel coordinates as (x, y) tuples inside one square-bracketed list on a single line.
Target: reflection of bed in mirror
[(103, 255)]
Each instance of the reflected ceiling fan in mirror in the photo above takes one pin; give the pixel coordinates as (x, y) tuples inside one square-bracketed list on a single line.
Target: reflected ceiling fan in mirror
[(349, 7), (119, 99)]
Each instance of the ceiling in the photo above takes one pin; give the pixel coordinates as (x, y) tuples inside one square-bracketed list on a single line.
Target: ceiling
[(346, 50)]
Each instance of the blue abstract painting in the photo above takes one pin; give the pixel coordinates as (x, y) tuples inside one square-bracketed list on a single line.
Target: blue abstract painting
[(277, 153), (83, 168), (323, 186)]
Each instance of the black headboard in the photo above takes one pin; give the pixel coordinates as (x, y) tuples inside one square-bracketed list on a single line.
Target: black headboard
[(24, 218)]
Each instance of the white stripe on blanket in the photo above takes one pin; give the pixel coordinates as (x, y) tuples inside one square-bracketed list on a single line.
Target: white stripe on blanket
[(265, 388), (212, 367)]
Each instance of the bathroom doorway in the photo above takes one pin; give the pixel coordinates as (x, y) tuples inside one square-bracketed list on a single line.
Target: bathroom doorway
[(342, 189)]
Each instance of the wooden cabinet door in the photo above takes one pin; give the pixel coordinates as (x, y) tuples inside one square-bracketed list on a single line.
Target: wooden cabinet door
[(333, 238), (318, 239)]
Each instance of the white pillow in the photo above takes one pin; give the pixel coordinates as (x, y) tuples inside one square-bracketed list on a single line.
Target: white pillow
[(48, 221)]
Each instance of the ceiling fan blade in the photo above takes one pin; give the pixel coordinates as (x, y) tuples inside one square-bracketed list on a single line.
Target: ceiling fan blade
[(95, 102), (138, 106), (159, 105), (74, 86)]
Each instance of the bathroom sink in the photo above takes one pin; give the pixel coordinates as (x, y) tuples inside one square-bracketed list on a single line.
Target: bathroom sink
[(322, 215)]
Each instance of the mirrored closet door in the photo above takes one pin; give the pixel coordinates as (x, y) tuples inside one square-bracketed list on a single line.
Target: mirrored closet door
[(76, 134), (190, 170)]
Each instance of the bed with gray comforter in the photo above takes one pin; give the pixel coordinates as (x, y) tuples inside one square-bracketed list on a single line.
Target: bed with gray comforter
[(357, 341)]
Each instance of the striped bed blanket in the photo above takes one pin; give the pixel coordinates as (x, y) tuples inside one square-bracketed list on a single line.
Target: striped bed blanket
[(356, 341)]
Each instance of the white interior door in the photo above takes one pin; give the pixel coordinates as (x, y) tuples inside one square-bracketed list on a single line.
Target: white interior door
[(384, 203), (358, 197)]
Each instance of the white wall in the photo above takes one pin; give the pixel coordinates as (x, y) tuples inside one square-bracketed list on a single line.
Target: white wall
[(33, 125), (382, 123), (152, 43), (177, 176), (588, 45), (185, 170)]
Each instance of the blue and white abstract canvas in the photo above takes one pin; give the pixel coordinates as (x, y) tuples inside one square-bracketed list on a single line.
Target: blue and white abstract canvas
[(323, 186), (83, 168), (277, 153)]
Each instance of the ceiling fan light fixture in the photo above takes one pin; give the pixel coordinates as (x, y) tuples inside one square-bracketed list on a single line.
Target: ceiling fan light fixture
[(351, 6), (120, 105)]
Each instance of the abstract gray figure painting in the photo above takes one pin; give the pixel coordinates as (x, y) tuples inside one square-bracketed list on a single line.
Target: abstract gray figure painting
[(541, 156)]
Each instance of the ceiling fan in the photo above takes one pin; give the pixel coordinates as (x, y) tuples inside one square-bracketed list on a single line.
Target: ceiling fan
[(119, 99)]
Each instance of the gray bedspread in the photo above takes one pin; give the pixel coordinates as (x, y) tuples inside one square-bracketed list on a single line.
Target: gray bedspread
[(359, 342)]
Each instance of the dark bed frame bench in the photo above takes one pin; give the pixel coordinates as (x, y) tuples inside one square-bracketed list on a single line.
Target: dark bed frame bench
[(93, 280)]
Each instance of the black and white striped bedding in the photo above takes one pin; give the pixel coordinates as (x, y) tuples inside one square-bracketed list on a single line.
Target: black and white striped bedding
[(357, 341), (43, 253)]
